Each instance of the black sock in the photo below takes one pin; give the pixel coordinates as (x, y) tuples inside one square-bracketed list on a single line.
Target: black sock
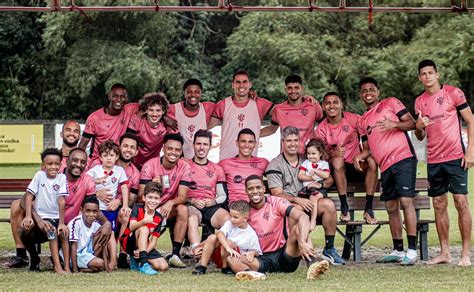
[(398, 244), (329, 241), (122, 257), (344, 205), (143, 255), (21, 252), (177, 247), (411, 242), (368, 202)]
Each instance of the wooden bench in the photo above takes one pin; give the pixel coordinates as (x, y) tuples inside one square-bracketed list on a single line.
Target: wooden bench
[(353, 233), (10, 186)]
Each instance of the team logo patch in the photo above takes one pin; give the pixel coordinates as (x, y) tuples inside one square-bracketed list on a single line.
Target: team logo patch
[(238, 179), (114, 180), (241, 117), (193, 185), (56, 187), (191, 128), (42, 185), (304, 111), (210, 173), (266, 215), (122, 121), (440, 100), (345, 128), (253, 164)]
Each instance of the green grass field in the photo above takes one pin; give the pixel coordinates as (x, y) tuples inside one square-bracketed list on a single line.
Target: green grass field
[(365, 276)]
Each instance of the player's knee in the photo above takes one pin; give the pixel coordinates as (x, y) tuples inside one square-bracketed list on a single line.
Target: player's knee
[(143, 231), (182, 211), (371, 164), (407, 203), (326, 205), (338, 163), (461, 203)]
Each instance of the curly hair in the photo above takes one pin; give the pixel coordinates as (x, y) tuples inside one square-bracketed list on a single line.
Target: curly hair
[(320, 145), (154, 98)]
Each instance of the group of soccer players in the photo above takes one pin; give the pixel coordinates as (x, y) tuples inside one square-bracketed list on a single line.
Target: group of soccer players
[(191, 190)]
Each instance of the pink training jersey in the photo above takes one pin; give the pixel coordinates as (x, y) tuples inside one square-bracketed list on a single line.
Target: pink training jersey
[(101, 126), (63, 165), (190, 122), (342, 134), (236, 172), (180, 174), (302, 116), (133, 180), (387, 147), (151, 139), (83, 186), (237, 116), (444, 134), (204, 178), (269, 223)]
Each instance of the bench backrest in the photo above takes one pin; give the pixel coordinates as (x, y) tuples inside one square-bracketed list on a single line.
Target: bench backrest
[(358, 203), (14, 185), (6, 200)]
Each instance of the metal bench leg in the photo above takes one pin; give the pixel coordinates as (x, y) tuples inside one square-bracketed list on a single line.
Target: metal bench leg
[(38, 248), (357, 243), (346, 252), (423, 240)]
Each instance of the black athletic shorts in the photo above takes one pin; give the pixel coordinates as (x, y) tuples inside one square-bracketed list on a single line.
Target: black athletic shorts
[(447, 176), (129, 243), (39, 236), (278, 261), (399, 180), (208, 212), (352, 174)]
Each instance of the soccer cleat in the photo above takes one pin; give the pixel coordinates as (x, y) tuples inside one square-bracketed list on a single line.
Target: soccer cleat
[(316, 269), (333, 257), (394, 257), (250, 276), (148, 270), (176, 262), (409, 259), (34, 265), (199, 270), (122, 262), (16, 262), (345, 216), (369, 217), (134, 265)]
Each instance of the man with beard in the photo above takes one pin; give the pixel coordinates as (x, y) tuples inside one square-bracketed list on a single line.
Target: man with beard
[(282, 248), (70, 135), (191, 114), (208, 189), (298, 111), (282, 181), (79, 185), (175, 176), (108, 123)]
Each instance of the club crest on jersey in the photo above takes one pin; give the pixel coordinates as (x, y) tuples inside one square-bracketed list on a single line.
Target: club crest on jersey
[(369, 129), (304, 111), (238, 179), (241, 117), (440, 100), (56, 187), (253, 164), (191, 128), (114, 180), (266, 215), (345, 129), (210, 173), (122, 121)]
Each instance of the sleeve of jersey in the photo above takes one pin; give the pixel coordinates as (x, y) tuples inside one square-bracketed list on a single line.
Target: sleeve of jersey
[(459, 99), (361, 130), (172, 111), (398, 107), (146, 173), (319, 111), (134, 213), (123, 179), (324, 165), (225, 228), (264, 106), (89, 129), (274, 177), (304, 166), (34, 183), (63, 190), (157, 231), (220, 174), (219, 110), (186, 177), (133, 125)]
